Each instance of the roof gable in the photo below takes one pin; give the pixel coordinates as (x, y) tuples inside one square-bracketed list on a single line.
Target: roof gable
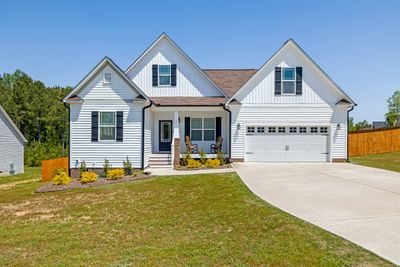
[(14, 128), (73, 95), (295, 48), (164, 49)]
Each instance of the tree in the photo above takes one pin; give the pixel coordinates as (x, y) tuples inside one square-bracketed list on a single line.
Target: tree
[(359, 125), (352, 127), (394, 108)]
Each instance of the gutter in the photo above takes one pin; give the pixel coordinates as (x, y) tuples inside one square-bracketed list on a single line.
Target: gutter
[(229, 131), (143, 124), (348, 130)]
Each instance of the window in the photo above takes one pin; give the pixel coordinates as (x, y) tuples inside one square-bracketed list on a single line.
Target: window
[(164, 74), (209, 129), (107, 77), (271, 129), (281, 130), (314, 129), (288, 81), (323, 130), (107, 125), (302, 129), (202, 129), (293, 130), (250, 129), (260, 130)]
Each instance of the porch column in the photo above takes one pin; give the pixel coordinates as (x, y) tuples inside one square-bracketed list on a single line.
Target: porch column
[(176, 141)]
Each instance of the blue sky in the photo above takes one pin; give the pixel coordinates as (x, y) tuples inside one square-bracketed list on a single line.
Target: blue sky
[(355, 42)]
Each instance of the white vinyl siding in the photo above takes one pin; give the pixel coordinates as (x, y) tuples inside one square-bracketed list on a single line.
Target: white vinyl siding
[(11, 148), (148, 147), (190, 81)]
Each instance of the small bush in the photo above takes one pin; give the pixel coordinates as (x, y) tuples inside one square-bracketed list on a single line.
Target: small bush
[(127, 167), (213, 163), (203, 156), (83, 168), (58, 171), (106, 166), (192, 163), (115, 174), (185, 159), (61, 179), (88, 177)]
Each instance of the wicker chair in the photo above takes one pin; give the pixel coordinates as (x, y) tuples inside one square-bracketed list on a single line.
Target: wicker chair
[(192, 148), (217, 147)]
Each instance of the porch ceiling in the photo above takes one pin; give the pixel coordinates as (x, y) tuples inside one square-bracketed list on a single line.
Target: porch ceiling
[(188, 101)]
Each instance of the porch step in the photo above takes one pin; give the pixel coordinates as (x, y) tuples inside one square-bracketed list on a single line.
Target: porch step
[(160, 161)]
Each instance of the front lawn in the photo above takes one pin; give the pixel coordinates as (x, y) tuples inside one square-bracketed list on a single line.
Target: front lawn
[(387, 161), (166, 221)]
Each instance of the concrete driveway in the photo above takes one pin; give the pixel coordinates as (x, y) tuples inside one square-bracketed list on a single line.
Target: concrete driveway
[(358, 203)]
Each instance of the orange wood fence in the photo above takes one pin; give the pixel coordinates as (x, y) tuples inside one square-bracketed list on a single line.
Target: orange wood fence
[(48, 167), (374, 141)]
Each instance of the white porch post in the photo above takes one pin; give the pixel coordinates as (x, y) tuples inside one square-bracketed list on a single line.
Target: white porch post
[(175, 145)]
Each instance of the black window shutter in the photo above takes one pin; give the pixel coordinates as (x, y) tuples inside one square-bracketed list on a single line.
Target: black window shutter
[(155, 75), (95, 126), (278, 75), (173, 75), (217, 127), (187, 126), (299, 80), (120, 126)]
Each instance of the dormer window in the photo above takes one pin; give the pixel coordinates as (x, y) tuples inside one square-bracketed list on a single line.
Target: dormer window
[(107, 77), (164, 75), (288, 81)]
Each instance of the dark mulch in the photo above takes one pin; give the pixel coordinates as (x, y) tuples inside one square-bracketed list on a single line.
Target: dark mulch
[(75, 183), (185, 168)]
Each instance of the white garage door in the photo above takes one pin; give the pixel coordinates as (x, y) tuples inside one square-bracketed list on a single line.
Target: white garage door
[(287, 143)]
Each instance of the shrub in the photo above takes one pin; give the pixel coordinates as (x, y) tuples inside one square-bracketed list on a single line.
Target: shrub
[(58, 171), (203, 156), (185, 159), (221, 157), (83, 168), (115, 174), (106, 166), (192, 163), (213, 163), (61, 179), (88, 177), (127, 167)]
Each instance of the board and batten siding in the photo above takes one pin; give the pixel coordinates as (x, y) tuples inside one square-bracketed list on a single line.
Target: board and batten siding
[(189, 81), (100, 96), (290, 115), (11, 148)]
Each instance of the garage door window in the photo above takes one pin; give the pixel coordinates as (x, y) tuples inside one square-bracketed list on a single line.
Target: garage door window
[(323, 130), (272, 129), (293, 130), (302, 129), (314, 129), (250, 130), (281, 130), (260, 130)]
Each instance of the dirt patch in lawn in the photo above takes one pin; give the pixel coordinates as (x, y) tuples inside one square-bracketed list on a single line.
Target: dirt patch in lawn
[(75, 183), (13, 184)]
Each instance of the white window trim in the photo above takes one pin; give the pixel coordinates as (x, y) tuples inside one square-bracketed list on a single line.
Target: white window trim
[(104, 78), (164, 75), (115, 127), (294, 81), (202, 129)]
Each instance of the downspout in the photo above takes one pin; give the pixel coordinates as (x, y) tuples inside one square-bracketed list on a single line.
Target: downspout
[(143, 125), (69, 138), (229, 131), (348, 130)]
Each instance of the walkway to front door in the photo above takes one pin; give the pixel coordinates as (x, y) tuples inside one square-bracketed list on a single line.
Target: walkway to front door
[(165, 135), (358, 203)]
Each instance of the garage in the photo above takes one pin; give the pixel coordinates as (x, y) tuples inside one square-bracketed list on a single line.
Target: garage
[(287, 143)]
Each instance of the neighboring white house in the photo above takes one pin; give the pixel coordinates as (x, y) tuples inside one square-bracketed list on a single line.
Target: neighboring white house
[(11, 146), (288, 110)]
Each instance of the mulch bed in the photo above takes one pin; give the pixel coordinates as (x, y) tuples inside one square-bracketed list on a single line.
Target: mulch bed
[(75, 183), (184, 168)]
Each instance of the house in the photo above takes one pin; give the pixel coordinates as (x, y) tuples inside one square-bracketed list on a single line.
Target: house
[(379, 125), (12, 144), (288, 110)]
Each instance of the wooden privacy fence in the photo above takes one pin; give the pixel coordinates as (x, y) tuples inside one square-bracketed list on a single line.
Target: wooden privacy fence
[(48, 167), (374, 141)]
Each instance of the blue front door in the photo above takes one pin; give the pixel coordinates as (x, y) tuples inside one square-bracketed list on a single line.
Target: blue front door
[(165, 135)]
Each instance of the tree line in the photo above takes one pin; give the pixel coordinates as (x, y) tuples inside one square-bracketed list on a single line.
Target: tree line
[(39, 113), (391, 117)]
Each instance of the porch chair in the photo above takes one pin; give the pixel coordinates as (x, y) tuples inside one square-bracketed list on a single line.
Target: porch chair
[(217, 147), (192, 148)]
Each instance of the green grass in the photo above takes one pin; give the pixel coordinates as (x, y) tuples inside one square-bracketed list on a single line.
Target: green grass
[(165, 221), (387, 161)]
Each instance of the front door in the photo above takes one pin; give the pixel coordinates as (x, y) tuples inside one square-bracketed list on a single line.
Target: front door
[(165, 135)]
